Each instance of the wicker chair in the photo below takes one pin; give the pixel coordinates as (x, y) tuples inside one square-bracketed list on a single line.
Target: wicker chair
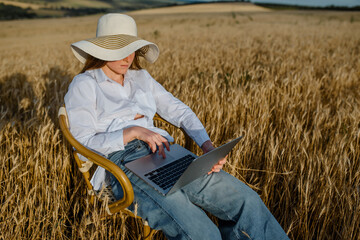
[(114, 205)]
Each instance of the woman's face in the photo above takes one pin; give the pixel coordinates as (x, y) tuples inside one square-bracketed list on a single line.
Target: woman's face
[(120, 67)]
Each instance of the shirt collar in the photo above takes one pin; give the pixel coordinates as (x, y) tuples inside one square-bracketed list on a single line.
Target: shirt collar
[(100, 76)]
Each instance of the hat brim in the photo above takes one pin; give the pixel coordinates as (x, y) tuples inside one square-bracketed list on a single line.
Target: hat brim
[(113, 48)]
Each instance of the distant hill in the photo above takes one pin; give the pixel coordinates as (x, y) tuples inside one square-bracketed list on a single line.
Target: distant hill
[(115, 4), (10, 12), (14, 9), (277, 6)]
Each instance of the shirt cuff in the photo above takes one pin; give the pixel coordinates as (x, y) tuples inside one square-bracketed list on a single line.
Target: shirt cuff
[(200, 136), (117, 141)]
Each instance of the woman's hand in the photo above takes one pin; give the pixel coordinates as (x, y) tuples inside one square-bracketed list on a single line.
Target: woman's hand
[(151, 138), (207, 147)]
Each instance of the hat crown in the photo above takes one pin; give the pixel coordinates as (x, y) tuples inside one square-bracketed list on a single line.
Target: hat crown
[(115, 23)]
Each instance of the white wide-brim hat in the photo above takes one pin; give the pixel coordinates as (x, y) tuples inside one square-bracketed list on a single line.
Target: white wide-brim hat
[(116, 38)]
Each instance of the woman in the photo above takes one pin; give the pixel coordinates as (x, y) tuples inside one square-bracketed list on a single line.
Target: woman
[(111, 106)]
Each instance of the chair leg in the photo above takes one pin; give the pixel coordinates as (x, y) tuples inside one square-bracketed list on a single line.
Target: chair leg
[(148, 232)]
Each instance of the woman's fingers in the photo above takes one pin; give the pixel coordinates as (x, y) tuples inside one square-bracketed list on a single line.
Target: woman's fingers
[(155, 140), (162, 151), (215, 168), (167, 145), (222, 161), (218, 166), (207, 147), (163, 142)]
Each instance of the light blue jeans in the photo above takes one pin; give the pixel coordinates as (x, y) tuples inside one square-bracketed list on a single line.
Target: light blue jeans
[(241, 212)]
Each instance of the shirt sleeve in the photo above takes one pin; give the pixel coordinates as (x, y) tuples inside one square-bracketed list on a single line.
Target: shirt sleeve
[(178, 113), (80, 102)]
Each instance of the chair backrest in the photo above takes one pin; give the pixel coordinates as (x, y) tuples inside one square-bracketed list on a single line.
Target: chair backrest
[(99, 160)]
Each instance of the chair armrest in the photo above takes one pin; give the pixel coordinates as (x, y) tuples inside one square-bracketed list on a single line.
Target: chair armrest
[(102, 162)]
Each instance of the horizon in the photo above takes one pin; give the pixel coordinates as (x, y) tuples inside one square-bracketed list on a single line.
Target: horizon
[(307, 3), (313, 3)]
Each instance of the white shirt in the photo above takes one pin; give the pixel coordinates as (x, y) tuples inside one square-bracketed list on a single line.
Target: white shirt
[(99, 109)]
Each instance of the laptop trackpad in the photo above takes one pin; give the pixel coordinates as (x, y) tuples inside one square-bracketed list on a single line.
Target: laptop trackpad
[(153, 161)]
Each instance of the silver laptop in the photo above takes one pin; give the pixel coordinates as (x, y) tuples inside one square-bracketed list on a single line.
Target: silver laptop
[(179, 168)]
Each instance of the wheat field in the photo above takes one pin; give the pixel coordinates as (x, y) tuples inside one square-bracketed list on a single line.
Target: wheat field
[(288, 81)]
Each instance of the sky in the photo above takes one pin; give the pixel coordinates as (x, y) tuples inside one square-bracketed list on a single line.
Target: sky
[(312, 3)]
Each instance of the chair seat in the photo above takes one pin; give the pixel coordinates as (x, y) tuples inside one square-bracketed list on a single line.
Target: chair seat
[(106, 193)]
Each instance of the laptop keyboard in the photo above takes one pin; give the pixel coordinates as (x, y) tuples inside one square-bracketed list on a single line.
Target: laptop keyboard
[(167, 175)]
